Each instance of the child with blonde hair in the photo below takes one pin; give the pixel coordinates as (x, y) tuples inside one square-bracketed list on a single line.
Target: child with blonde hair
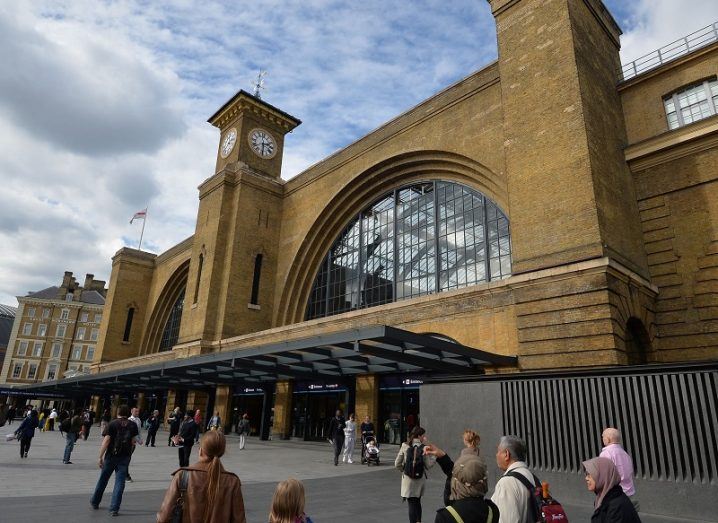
[(288, 503)]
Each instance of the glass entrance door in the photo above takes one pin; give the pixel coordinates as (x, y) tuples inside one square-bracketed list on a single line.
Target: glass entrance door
[(312, 413)]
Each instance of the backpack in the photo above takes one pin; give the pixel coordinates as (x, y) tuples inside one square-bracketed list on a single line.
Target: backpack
[(122, 444), (542, 509), (414, 462)]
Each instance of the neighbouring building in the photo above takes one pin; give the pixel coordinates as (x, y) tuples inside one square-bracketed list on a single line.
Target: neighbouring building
[(7, 317), (55, 332), (553, 212)]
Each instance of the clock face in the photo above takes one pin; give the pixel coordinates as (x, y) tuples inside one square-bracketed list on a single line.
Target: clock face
[(228, 143), (262, 143)]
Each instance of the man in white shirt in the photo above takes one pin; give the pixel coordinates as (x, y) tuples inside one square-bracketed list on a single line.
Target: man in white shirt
[(51, 417), (135, 418), (510, 495)]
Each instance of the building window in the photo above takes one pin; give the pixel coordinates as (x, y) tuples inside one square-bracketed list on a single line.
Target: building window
[(52, 372), (31, 312), (128, 324), (254, 300), (199, 277), (93, 334), (64, 314), (170, 333), (77, 352), (84, 317), (27, 329), (419, 239), (90, 353), (22, 348), (41, 329), (69, 296), (61, 330), (80, 333), (16, 370), (32, 371), (37, 349), (45, 313), (56, 350), (691, 103), (98, 318)]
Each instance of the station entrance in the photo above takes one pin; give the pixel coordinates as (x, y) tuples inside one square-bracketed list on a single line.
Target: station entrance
[(249, 401), (398, 407), (313, 407)]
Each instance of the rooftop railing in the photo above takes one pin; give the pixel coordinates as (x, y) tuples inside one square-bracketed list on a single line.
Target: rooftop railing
[(683, 46)]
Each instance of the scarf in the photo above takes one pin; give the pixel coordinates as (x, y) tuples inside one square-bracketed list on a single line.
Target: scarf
[(604, 474), (468, 479)]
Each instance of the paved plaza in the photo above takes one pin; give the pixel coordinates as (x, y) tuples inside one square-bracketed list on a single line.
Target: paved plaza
[(41, 488)]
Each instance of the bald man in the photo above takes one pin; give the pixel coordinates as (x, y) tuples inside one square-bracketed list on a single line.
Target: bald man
[(613, 450)]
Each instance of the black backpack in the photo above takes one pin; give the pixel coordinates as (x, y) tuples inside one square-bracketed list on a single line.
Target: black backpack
[(122, 445), (414, 462)]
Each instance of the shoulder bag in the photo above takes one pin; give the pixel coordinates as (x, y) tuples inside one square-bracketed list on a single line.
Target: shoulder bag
[(177, 512)]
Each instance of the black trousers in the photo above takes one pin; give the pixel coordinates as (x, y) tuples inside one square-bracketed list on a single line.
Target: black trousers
[(87, 426), (414, 509), (184, 452), (173, 432), (151, 438), (338, 446), (24, 445)]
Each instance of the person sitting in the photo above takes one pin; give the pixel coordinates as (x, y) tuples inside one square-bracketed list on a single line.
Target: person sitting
[(611, 504), (212, 493), (468, 487), (288, 503)]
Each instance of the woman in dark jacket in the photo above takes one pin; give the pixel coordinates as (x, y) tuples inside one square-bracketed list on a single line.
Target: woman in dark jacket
[(26, 431), (611, 504), (468, 487)]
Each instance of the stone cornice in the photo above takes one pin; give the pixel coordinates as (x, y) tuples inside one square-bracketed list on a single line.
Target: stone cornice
[(176, 250), (57, 302), (243, 101)]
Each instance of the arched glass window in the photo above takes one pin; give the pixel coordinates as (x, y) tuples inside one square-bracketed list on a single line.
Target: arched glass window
[(170, 333), (419, 239)]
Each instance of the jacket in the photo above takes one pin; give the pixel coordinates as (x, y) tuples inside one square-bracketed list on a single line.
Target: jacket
[(243, 426), (27, 427), (336, 428), (410, 487), (616, 507), (76, 424), (153, 424), (188, 432), (228, 507), (474, 510)]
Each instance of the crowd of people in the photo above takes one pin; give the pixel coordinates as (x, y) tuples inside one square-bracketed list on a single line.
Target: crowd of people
[(209, 493)]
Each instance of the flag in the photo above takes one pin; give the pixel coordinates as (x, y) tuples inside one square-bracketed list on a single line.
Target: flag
[(139, 215)]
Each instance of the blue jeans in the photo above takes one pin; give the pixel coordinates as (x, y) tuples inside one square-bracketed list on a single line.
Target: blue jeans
[(70, 439), (118, 465)]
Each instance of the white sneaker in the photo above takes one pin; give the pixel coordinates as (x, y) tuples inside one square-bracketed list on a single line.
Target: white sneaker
[(344, 460), (350, 461)]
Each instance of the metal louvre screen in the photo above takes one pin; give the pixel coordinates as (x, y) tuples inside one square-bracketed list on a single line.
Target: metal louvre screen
[(668, 421)]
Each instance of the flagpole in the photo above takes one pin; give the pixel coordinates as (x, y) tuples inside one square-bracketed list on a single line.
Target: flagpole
[(142, 233)]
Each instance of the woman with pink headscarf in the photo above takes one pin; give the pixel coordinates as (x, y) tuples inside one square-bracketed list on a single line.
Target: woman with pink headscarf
[(611, 504)]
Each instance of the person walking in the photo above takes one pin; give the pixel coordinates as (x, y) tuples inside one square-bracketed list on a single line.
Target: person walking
[(510, 494), (613, 450), (413, 464), (212, 495), (11, 414), (198, 421), (471, 448), (87, 419), (288, 503), (26, 431), (336, 434), (468, 488), (243, 430), (611, 504), (174, 420), (135, 418), (350, 431), (51, 420), (215, 422), (115, 455), (185, 439), (153, 425), (71, 436), (104, 421), (367, 431)]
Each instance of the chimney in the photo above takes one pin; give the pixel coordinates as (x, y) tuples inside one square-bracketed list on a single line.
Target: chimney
[(88, 281)]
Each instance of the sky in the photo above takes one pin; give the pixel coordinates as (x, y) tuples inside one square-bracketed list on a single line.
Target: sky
[(103, 104)]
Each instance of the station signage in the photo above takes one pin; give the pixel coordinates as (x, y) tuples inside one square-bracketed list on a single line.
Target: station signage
[(400, 381), (318, 386)]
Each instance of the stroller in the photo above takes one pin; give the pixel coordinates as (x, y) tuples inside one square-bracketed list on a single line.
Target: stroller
[(371, 451)]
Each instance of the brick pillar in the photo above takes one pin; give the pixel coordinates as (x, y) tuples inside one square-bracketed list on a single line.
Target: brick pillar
[(141, 401), (283, 410), (96, 406), (198, 399), (367, 398), (170, 406), (114, 405), (223, 404)]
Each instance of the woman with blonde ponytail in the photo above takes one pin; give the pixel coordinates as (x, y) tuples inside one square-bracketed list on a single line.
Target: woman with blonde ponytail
[(213, 495), (288, 503)]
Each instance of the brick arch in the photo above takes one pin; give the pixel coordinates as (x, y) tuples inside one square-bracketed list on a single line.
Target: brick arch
[(379, 179), (171, 291)]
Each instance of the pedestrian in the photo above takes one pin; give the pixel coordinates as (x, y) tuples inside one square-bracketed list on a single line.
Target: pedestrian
[(41, 421), (613, 450), (153, 425), (510, 494), (198, 421), (367, 431), (215, 422), (243, 430), (468, 488), (471, 441), (185, 438), (71, 436), (26, 431), (174, 420), (105, 421), (11, 414), (51, 420), (115, 455), (611, 504), (135, 418), (336, 434), (86, 423), (212, 495), (350, 431), (413, 464), (288, 503)]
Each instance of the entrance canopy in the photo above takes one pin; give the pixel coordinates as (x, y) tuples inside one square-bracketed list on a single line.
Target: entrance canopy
[(376, 349)]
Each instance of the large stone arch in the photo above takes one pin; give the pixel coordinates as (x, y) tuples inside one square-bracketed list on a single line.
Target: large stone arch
[(176, 283), (372, 183)]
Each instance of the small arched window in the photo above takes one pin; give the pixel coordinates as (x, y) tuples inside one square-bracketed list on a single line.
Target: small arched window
[(691, 103)]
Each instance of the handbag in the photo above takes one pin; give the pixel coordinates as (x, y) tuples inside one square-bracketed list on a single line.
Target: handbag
[(179, 504)]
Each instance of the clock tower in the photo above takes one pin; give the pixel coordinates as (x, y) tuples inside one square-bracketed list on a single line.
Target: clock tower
[(251, 133)]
